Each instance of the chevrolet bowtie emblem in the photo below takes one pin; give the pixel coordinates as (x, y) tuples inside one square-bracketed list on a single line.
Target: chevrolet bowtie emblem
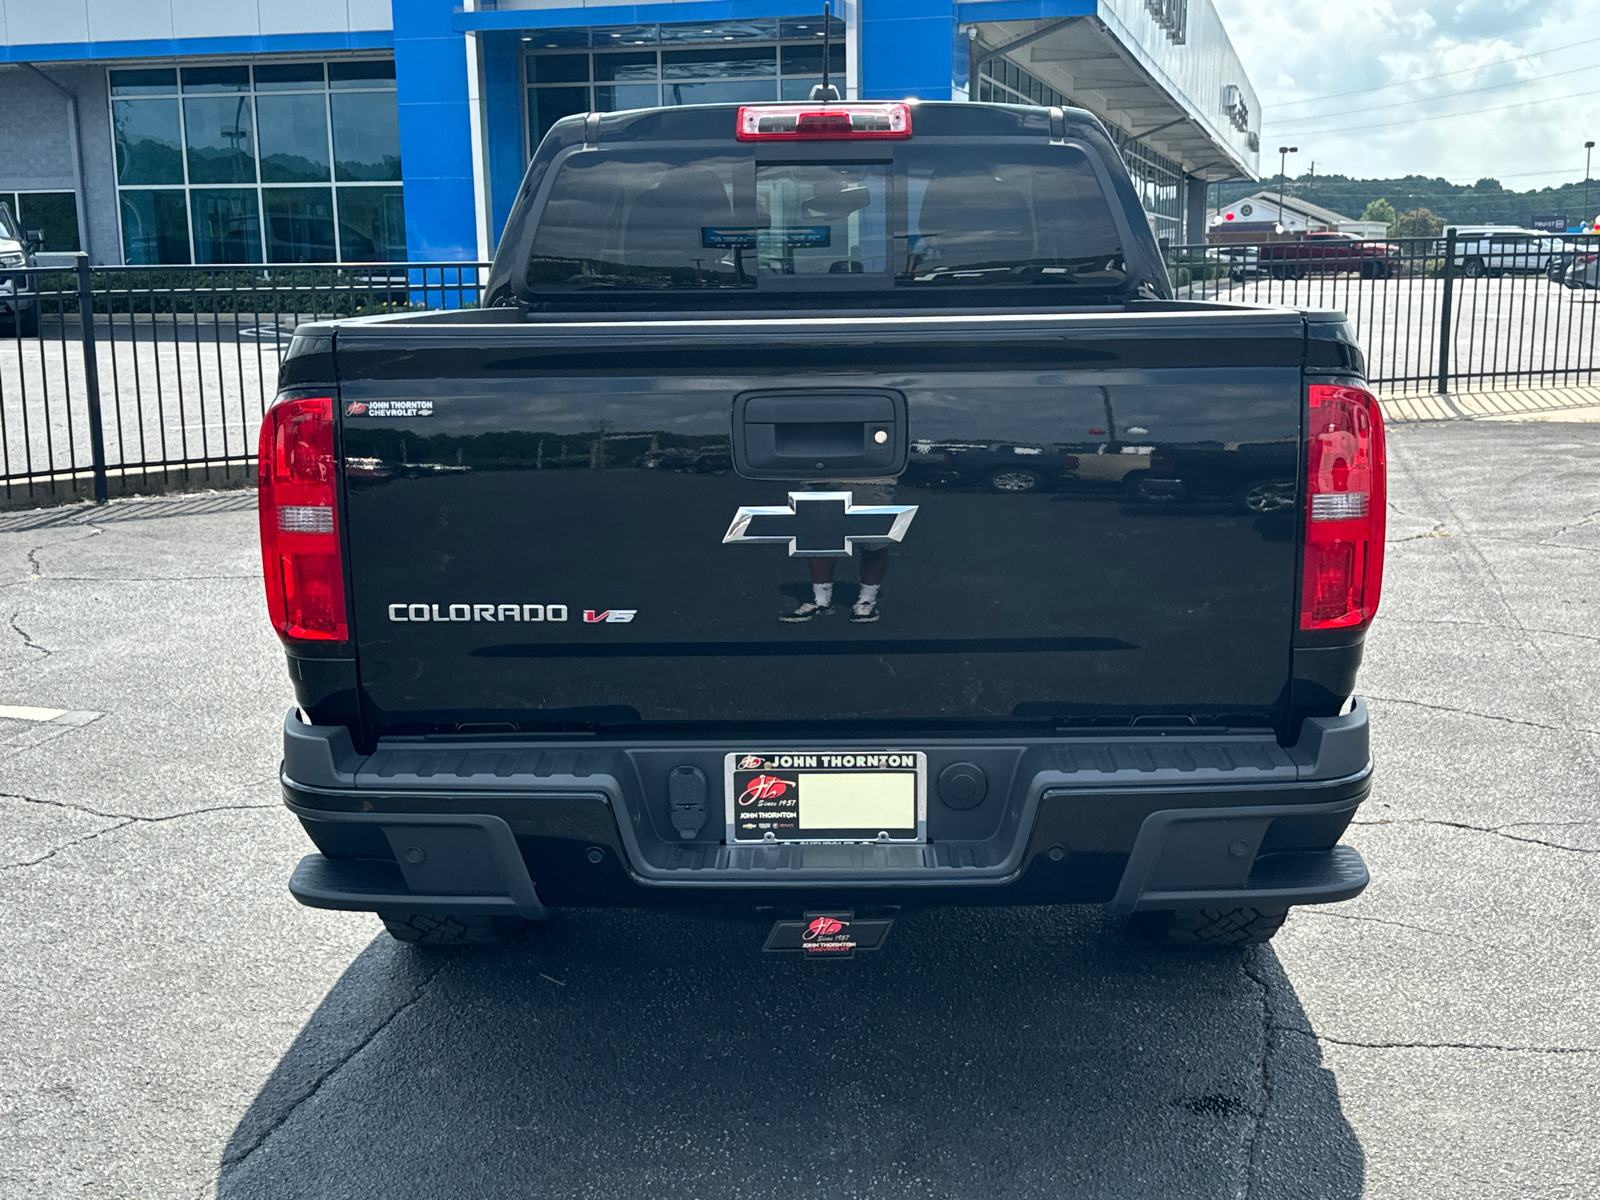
[(822, 524)]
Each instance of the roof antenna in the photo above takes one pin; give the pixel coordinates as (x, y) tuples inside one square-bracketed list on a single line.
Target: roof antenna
[(825, 91)]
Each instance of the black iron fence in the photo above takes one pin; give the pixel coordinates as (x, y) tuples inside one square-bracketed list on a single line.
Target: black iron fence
[(1453, 313), (126, 379)]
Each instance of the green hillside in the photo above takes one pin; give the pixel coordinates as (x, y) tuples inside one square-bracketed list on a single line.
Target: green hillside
[(1484, 202)]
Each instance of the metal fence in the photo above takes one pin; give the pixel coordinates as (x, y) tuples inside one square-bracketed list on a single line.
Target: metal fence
[(126, 379), (1432, 314), (129, 379)]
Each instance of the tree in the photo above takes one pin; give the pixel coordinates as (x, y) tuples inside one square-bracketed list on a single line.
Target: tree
[(1416, 222), (1381, 210)]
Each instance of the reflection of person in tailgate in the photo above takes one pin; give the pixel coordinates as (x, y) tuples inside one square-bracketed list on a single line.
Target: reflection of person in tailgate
[(874, 562)]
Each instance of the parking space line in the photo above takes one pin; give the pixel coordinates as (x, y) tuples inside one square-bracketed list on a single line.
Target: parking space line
[(23, 712), (42, 725), (52, 716)]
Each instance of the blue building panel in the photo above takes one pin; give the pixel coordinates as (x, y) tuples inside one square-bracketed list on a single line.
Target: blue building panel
[(430, 67), (631, 14), (1024, 10), (904, 10), (277, 43), (503, 132), (440, 224), (907, 56)]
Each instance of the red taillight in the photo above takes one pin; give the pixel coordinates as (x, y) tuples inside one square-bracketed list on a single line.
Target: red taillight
[(798, 123), (300, 522), (1344, 509), (1070, 462)]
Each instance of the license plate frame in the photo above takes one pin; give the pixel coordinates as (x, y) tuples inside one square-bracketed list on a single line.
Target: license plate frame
[(855, 778)]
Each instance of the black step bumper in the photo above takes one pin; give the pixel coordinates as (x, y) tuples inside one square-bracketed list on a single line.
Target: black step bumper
[(1133, 822), (457, 864)]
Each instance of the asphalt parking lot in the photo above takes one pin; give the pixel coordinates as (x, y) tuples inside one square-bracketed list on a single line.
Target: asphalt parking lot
[(175, 1026)]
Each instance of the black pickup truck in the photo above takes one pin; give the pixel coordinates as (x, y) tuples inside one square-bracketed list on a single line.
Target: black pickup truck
[(635, 586)]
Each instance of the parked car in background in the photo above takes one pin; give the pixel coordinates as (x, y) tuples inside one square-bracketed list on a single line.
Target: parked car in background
[(1006, 467), (1584, 270), (1330, 253), (19, 306), (1568, 250), (1240, 262), (1561, 261), (1247, 475), (1504, 249)]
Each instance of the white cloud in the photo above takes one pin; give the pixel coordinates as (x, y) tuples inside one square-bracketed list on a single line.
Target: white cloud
[(1296, 50)]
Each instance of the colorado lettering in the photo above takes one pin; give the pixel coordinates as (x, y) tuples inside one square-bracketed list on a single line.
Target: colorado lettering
[(477, 612)]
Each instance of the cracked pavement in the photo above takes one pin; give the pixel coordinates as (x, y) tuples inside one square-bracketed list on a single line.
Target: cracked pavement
[(175, 1026)]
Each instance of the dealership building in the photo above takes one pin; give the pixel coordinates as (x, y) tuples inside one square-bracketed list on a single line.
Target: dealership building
[(238, 131)]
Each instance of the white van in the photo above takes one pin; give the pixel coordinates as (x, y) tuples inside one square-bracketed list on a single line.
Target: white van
[(1492, 249)]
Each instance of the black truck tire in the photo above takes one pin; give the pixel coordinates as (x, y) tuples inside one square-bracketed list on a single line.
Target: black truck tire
[(1209, 926), (28, 322), (434, 929)]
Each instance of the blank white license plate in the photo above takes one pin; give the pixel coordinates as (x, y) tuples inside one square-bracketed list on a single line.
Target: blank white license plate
[(827, 796)]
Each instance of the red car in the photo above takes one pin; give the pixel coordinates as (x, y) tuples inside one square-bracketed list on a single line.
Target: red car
[(1329, 254)]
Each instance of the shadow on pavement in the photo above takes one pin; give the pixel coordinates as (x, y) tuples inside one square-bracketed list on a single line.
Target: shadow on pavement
[(140, 508), (1013, 1052)]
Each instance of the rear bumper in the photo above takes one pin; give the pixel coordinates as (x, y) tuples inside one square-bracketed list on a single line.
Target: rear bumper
[(452, 863), (1133, 822)]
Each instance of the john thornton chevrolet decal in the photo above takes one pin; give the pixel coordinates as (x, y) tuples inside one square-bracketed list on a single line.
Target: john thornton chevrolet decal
[(389, 408), (828, 935)]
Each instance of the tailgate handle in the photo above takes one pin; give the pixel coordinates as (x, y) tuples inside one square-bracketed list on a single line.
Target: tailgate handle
[(820, 434)]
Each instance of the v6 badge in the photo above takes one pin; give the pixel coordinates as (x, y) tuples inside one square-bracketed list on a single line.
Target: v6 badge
[(609, 616)]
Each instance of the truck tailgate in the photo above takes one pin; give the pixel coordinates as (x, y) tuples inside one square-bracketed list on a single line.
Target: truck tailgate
[(538, 518)]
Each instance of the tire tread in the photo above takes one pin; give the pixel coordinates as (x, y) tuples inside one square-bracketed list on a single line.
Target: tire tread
[(1211, 926), (434, 929)]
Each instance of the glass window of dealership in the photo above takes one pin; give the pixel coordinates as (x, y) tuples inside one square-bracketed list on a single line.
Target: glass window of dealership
[(569, 71), (288, 162)]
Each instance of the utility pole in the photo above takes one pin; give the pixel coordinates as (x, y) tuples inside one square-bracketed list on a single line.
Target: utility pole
[(1311, 184), (1588, 153), (1283, 177)]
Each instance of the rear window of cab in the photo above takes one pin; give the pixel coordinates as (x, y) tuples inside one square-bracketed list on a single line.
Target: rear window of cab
[(938, 216)]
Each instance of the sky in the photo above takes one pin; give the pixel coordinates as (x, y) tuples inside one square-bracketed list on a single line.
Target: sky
[(1299, 53)]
